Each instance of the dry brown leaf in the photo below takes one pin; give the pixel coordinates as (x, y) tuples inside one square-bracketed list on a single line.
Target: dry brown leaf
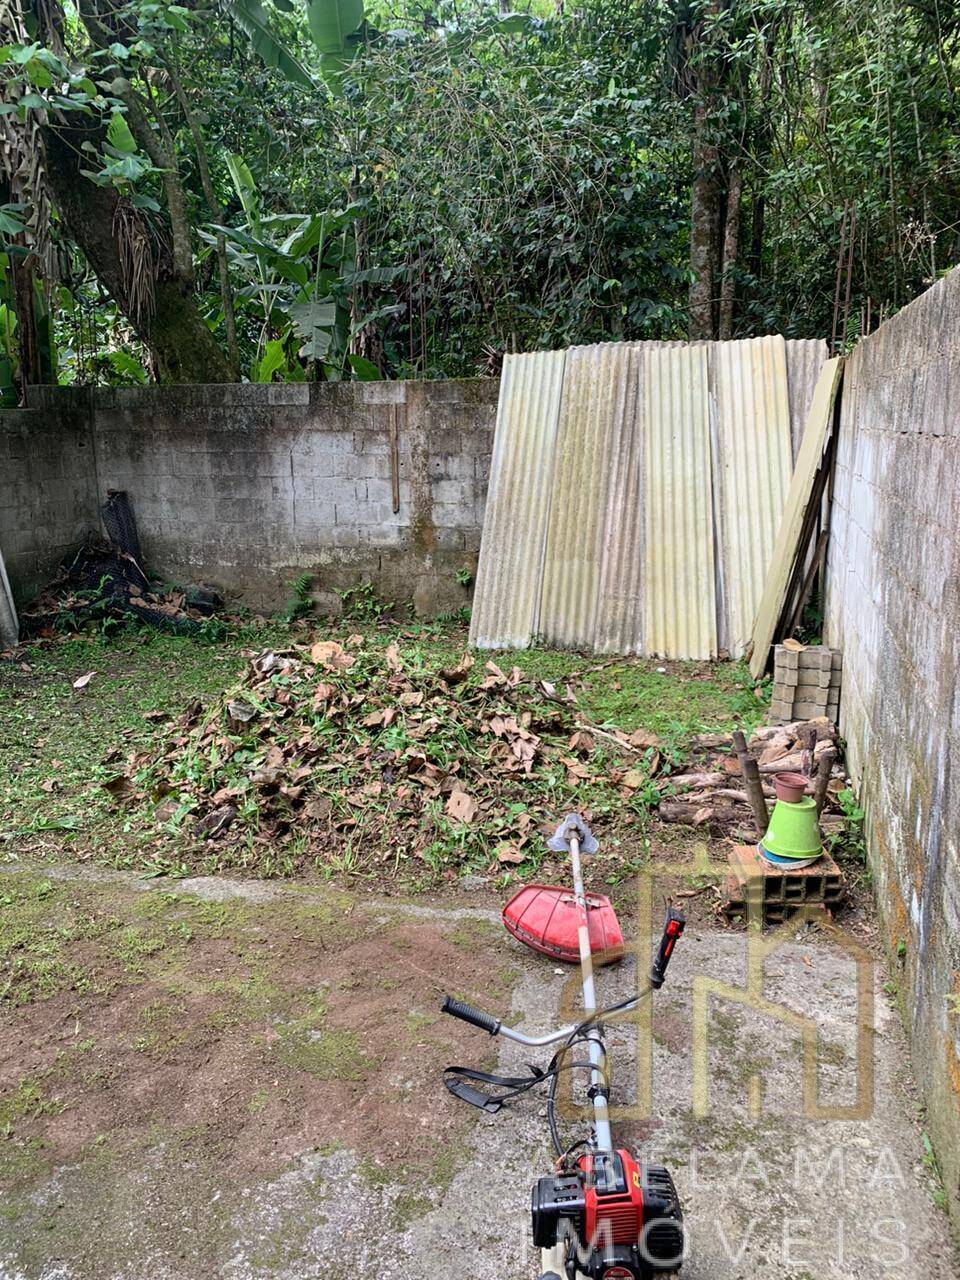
[(81, 682), (494, 677), (509, 854), (633, 779), (461, 807), (392, 655), (120, 787), (643, 738), (454, 675), (331, 656)]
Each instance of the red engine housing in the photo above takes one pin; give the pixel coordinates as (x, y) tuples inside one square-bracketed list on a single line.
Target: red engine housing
[(613, 1217)]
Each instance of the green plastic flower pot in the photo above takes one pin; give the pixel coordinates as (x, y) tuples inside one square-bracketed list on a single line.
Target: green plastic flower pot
[(794, 831)]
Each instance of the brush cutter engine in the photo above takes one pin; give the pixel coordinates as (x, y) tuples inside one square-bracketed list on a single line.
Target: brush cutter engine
[(615, 1219)]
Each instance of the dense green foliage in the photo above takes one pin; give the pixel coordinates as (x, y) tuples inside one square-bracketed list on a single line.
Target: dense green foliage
[(415, 188)]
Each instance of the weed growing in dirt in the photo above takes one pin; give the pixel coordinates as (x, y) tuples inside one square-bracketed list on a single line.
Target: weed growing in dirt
[(848, 844)]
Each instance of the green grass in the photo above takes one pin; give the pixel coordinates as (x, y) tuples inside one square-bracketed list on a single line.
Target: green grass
[(61, 745)]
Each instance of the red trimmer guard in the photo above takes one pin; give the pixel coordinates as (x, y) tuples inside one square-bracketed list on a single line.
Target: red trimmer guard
[(544, 917)]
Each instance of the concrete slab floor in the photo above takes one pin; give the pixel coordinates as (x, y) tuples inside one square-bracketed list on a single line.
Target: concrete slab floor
[(783, 1194)]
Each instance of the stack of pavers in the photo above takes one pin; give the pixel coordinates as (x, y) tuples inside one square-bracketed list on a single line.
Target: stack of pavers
[(806, 683)]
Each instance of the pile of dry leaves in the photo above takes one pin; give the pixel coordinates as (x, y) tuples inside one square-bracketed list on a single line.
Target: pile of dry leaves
[(351, 746)]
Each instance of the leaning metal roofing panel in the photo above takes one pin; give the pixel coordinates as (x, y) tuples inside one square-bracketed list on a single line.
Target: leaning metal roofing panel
[(506, 599), (596, 395), (785, 547), (753, 436), (680, 601), (619, 621), (805, 359)]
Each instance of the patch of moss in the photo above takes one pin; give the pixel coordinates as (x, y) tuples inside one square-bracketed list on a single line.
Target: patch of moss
[(375, 1175), (259, 1100), (40, 922), (330, 1054), (407, 1208), (473, 933), (27, 1101)]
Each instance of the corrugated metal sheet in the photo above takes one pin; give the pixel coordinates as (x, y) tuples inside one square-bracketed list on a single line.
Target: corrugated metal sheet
[(805, 359), (585, 546), (590, 437), (619, 625), (785, 547), (754, 453), (509, 572), (679, 595)]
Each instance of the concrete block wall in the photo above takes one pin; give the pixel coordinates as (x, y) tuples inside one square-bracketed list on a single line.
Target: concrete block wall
[(893, 608), (245, 487), (47, 488)]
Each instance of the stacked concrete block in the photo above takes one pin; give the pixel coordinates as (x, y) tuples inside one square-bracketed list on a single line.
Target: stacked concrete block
[(806, 683)]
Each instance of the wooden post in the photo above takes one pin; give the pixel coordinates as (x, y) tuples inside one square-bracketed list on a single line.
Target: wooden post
[(751, 783), (824, 773), (395, 457)]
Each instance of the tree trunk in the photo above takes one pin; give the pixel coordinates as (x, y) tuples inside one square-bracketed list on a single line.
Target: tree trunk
[(183, 348), (731, 244), (28, 347), (706, 204)]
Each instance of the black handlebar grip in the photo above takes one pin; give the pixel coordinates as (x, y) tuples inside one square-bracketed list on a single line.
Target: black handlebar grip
[(467, 1013), (673, 927)]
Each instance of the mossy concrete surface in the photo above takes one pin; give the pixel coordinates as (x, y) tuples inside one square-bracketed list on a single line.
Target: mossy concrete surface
[(259, 1096)]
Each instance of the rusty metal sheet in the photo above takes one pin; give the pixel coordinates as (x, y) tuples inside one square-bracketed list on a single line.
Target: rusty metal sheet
[(596, 425), (507, 595), (752, 475), (785, 547), (679, 594), (805, 358)]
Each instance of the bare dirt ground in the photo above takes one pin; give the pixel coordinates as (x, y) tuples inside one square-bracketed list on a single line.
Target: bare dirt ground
[(240, 1079)]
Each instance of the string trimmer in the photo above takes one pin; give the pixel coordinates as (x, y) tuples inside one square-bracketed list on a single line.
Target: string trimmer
[(601, 1213)]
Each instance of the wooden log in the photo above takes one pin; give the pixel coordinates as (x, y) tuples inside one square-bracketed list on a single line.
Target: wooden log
[(680, 811), (824, 774), (825, 729), (717, 793), (687, 781), (711, 740)]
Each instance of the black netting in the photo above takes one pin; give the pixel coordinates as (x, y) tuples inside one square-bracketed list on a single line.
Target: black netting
[(120, 525), (105, 580)]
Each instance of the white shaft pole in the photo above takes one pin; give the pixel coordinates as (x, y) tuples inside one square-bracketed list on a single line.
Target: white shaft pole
[(596, 1050)]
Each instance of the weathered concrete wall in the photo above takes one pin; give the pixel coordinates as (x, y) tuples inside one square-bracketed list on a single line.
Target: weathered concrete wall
[(894, 609), (47, 487), (245, 487)]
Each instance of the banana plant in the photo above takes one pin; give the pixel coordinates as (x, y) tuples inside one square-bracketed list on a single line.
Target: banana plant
[(294, 264), (335, 28)]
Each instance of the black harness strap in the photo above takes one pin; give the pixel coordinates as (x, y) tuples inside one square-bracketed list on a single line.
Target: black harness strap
[(456, 1078)]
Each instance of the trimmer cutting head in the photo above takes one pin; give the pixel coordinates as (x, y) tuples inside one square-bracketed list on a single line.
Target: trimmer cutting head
[(545, 917)]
